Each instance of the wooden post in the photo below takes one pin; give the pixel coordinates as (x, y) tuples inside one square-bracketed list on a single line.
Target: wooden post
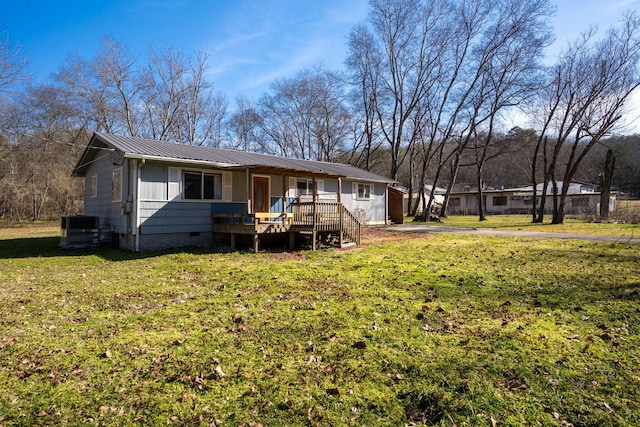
[(292, 240), (284, 200), (340, 233), (248, 191), (313, 212)]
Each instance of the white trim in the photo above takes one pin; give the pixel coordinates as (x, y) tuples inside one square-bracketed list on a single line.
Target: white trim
[(175, 184), (187, 161), (355, 191)]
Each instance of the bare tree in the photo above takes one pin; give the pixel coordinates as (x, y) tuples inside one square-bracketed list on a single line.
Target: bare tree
[(163, 91), (169, 97), (104, 90), (306, 116), (605, 184), (589, 89), (13, 65), (494, 54), (203, 109), (511, 73), (35, 179), (364, 63), (244, 126), (391, 59)]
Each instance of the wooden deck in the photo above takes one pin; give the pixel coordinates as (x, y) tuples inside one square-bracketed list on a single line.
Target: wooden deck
[(313, 219)]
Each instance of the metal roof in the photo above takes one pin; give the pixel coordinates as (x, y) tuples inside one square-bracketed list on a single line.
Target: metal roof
[(142, 148)]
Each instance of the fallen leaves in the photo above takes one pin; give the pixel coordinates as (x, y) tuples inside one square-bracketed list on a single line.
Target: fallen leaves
[(219, 373), (7, 342)]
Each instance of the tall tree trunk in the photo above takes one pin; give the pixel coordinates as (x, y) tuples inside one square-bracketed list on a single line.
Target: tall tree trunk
[(558, 202), (481, 208), (605, 184), (455, 167), (410, 189), (545, 184)]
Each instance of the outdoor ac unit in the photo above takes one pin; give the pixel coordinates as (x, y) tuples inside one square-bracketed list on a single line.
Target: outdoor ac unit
[(80, 231)]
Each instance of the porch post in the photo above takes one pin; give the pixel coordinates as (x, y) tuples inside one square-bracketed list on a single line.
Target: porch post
[(248, 191), (284, 200), (340, 208), (313, 212)]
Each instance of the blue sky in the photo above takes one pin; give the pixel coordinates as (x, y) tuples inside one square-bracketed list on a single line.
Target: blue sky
[(251, 42)]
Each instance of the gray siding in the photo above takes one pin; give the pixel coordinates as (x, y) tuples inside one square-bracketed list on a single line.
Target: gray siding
[(110, 212), (374, 210), (151, 242), (239, 187), (154, 178), (165, 223), (174, 217), (331, 186)]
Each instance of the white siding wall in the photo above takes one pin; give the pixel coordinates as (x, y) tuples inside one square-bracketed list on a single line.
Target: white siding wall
[(373, 210)]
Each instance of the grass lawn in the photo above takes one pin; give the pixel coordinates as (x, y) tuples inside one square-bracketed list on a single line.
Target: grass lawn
[(523, 222), (404, 330)]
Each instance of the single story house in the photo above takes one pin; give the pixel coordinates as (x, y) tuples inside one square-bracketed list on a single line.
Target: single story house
[(157, 194), (582, 198), (416, 202)]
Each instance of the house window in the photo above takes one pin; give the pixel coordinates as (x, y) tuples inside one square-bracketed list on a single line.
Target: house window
[(454, 202), (93, 186), (500, 201), (304, 187), (116, 185), (201, 185), (363, 191)]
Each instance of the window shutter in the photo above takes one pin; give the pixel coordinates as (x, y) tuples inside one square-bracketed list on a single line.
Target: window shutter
[(371, 191), (320, 185), (293, 186), (227, 186), (93, 186), (116, 185), (354, 190), (173, 186)]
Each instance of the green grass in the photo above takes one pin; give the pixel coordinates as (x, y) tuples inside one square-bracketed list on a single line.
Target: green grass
[(434, 330), (523, 222)]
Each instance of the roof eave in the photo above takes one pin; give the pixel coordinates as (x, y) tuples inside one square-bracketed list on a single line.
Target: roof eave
[(178, 160)]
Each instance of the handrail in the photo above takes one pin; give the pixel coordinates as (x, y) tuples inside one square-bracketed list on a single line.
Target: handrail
[(327, 217)]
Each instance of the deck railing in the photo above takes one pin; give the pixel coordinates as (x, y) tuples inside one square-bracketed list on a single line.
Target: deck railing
[(327, 217)]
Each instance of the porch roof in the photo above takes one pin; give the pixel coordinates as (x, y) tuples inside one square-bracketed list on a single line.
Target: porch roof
[(142, 148)]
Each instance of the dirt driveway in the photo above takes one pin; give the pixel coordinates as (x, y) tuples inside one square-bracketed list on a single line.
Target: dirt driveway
[(420, 228)]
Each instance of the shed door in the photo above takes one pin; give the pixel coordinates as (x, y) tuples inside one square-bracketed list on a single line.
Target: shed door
[(396, 206), (260, 194)]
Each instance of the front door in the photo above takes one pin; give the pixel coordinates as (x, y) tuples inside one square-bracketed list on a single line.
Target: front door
[(260, 194)]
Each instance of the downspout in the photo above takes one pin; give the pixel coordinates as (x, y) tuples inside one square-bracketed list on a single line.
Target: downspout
[(136, 202)]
